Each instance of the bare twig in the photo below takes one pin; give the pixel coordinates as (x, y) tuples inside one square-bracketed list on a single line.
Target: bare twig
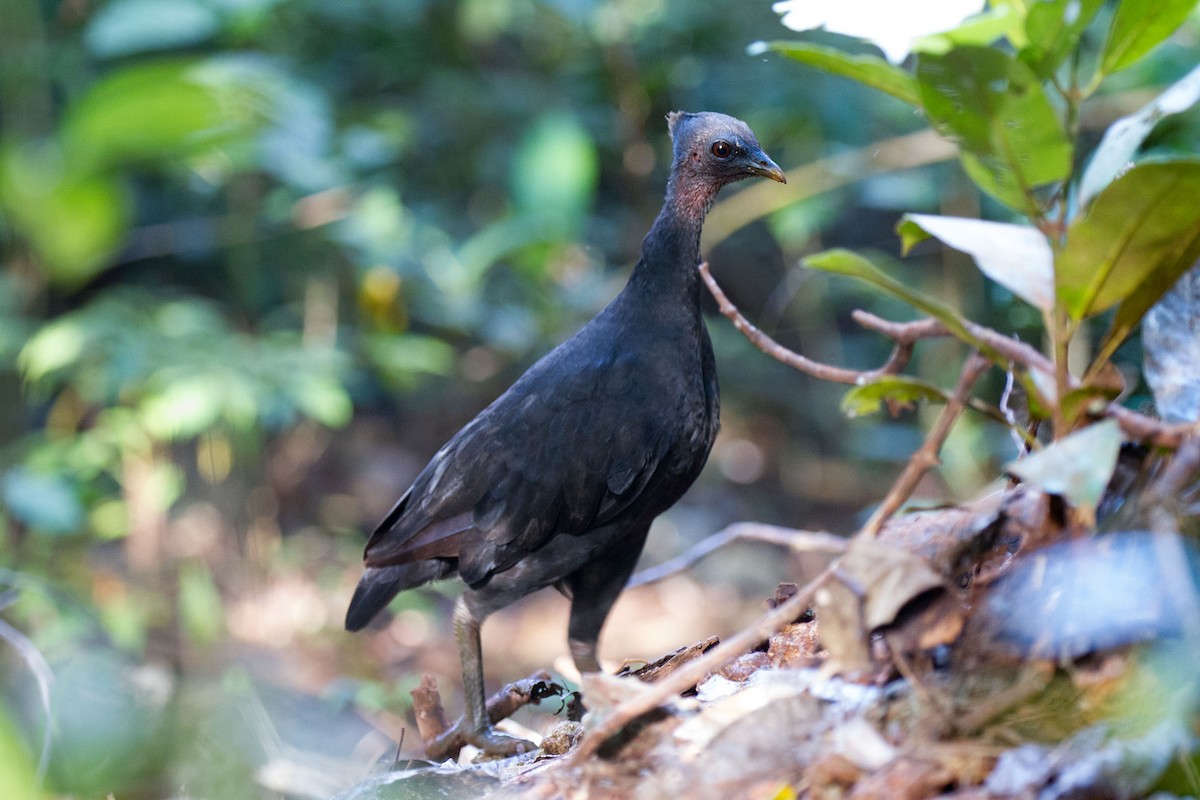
[(1150, 430), (1182, 469), (797, 540), (927, 456), (904, 334), (1135, 426), (657, 670), (1033, 679), (1162, 504), (399, 751), (780, 353), (1009, 348), (691, 673), (911, 331), (934, 700)]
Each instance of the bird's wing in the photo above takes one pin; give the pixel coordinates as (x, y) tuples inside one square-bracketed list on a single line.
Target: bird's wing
[(569, 447)]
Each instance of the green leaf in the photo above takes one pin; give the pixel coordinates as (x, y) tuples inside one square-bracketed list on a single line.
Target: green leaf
[(1138, 26), (1018, 257), (1134, 241), (870, 71), (109, 519), (1139, 302), (982, 29), (184, 408), (200, 607), (1086, 399), (507, 235), (995, 108), (18, 778), (403, 358), (73, 223), (1040, 389), (867, 398), (114, 725), (844, 262), (47, 503), (125, 27), (1017, 13), (555, 170), (1123, 138), (1054, 28), (324, 399), (1076, 467), (57, 345), (148, 111)]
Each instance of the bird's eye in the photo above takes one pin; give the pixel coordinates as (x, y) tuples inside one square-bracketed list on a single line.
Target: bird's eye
[(722, 149)]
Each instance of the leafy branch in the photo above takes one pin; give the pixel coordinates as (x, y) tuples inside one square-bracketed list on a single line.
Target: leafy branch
[(1110, 238)]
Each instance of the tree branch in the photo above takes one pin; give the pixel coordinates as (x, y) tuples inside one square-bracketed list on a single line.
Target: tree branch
[(926, 456), (1150, 430), (1135, 426), (796, 540), (826, 372)]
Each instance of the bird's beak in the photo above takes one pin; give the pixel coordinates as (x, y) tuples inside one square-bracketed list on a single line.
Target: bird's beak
[(761, 164)]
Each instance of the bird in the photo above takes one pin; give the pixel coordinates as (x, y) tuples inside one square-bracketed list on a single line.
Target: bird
[(557, 481)]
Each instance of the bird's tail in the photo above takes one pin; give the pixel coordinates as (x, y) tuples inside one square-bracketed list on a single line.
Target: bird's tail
[(378, 585)]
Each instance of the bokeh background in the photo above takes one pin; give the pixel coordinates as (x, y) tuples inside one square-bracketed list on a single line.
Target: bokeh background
[(260, 258)]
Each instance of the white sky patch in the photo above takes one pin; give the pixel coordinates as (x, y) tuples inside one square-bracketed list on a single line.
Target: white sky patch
[(890, 24)]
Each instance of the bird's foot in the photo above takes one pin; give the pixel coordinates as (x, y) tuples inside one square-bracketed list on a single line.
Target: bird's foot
[(491, 742), (498, 745)]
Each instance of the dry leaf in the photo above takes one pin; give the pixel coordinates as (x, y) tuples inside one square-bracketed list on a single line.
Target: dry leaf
[(872, 583)]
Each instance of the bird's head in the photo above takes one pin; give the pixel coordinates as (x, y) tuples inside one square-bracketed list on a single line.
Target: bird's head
[(714, 149)]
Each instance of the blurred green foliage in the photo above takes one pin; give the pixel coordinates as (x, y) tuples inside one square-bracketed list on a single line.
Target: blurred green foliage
[(17, 777), (259, 257)]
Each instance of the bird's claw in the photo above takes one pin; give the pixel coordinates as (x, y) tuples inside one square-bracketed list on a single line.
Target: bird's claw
[(494, 743)]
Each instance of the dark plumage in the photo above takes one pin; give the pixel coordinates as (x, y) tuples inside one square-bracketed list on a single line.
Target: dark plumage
[(556, 482)]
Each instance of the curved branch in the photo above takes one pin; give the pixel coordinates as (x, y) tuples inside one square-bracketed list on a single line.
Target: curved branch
[(798, 541), (926, 457), (1152, 431), (1135, 426), (826, 372)]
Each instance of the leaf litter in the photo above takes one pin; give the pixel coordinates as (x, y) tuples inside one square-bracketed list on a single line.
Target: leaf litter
[(983, 655)]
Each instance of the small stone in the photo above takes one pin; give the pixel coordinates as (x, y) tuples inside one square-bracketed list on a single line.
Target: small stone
[(562, 738)]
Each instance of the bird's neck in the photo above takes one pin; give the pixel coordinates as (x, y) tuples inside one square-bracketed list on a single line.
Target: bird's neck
[(671, 250)]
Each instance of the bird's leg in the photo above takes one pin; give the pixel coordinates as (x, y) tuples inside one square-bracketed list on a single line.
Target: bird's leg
[(594, 589), (475, 726), (583, 652)]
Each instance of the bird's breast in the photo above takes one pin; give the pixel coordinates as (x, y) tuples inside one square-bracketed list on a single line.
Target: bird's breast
[(695, 406)]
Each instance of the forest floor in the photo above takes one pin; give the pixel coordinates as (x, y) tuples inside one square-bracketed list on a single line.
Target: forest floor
[(994, 650)]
